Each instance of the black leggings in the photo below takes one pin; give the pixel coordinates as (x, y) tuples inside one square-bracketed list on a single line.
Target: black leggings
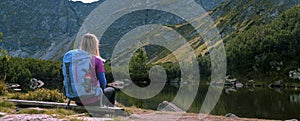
[(108, 98)]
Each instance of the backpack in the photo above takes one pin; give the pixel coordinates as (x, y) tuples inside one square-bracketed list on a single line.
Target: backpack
[(80, 81)]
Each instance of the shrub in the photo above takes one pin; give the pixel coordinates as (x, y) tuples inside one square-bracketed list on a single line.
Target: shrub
[(3, 88), (7, 107), (40, 95)]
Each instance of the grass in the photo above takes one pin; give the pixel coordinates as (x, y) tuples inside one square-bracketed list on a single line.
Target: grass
[(75, 119), (62, 111), (39, 95), (2, 87), (30, 111), (6, 107)]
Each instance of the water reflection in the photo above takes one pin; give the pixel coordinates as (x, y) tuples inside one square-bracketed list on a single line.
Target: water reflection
[(252, 102), (295, 98)]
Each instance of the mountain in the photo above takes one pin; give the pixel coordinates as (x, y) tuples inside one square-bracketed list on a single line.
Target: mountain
[(209, 4), (269, 51), (239, 15), (46, 29), (233, 17), (40, 28)]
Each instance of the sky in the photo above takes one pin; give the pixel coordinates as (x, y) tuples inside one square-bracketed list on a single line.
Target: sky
[(85, 1)]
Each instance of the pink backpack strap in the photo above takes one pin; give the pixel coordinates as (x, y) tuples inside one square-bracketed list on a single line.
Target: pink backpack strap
[(93, 72)]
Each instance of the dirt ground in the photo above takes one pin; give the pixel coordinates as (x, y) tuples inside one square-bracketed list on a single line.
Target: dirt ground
[(149, 115), (135, 114)]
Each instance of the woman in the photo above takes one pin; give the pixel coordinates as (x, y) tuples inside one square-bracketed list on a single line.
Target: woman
[(89, 43)]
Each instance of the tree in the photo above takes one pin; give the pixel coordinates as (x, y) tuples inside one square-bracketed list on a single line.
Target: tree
[(138, 66), (4, 58), (259, 49), (0, 37)]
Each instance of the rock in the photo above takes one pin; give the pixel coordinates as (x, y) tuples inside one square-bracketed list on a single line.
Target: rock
[(94, 119), (17, 90), (36, 108), (55, 115), (277, 84), (291, 120), (34, 83), (135, 116), (167, 106), (231, 115), (2, 114), (294, 74), (29, 117)]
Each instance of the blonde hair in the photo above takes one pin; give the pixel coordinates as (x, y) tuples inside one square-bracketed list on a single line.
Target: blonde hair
[(89, 43)]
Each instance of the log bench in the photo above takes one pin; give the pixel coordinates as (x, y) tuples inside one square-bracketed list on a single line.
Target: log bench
[(91, 109)]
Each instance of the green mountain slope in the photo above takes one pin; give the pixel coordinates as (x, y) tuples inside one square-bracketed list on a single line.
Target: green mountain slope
[(267, 51), (233, 17)]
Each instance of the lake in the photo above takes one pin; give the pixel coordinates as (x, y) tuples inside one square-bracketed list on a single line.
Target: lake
[(258, 102)]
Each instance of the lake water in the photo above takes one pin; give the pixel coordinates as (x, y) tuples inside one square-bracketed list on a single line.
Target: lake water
[(259, 102)]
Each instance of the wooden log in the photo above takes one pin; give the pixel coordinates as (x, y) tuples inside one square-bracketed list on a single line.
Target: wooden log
[(90, 109)]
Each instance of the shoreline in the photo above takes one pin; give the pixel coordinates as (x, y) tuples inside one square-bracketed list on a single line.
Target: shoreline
[(130, 114), (138, 114)]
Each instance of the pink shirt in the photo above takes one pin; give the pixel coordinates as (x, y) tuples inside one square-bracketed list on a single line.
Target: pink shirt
[(99, 64)]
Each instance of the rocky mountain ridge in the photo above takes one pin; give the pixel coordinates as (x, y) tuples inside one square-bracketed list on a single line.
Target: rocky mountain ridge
[(46, 29), (40, 28), (233, 17)]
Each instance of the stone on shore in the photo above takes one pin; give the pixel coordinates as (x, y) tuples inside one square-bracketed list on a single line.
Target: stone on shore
[(45, 117), (29, 117), (2, 114), (167, 106), (231, 115)]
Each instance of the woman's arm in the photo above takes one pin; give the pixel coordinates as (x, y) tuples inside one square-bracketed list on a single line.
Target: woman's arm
[(102, 79), (100, 72)]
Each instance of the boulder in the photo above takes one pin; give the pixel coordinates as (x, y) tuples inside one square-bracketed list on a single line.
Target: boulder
[(168, 106), (231, 115), (2, 114), (295, 74), (291, 120), (277, 84)]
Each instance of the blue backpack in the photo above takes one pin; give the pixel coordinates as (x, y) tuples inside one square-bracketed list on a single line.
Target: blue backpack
[(80, 81)]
